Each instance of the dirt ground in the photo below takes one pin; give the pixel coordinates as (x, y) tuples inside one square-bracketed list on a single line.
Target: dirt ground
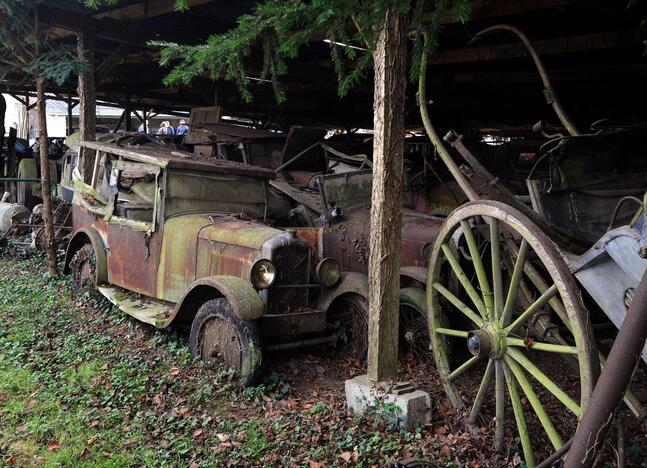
[(83, 384)]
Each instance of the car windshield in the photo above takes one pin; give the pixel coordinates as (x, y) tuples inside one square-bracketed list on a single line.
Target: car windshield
[(197, 192), (352, 190)]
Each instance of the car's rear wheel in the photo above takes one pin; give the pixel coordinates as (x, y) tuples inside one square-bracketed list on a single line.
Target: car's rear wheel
[(349, 314), (221, 337), (413, 330), (83, 268)]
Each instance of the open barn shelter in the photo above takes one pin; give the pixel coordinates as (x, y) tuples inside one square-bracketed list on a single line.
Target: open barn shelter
[(488, 216), (593, 51)]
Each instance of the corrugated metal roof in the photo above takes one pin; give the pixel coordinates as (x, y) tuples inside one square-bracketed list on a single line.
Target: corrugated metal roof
[(55, 107)]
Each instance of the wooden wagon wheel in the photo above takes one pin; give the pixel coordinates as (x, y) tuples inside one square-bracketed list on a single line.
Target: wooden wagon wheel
[(470, 283)]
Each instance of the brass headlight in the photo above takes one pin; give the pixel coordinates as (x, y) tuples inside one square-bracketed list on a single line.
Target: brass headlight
[(263, 274), (328, 272)]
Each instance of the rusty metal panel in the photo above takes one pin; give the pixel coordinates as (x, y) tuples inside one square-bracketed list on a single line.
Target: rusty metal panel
[(224, 259), (312, 236), (347, 241), (133, 258), (293, 325), (178, 255)]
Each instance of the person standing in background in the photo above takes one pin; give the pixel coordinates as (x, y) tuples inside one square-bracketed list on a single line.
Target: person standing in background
[(182, 129), (169, 129), (162, 129)]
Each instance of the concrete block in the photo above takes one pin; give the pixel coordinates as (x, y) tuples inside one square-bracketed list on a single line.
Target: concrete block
[(412, 406)]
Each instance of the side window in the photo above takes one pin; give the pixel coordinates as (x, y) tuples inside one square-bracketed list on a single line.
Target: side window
[(87, 185), (134, 188)]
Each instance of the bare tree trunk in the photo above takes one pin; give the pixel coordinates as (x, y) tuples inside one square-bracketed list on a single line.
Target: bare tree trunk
[(386, 208), (87, 98), (45, 179)]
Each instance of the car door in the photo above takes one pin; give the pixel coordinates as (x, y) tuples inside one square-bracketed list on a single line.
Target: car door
[(133, 236)]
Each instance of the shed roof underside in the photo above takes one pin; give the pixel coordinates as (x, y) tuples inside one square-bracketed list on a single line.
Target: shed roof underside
[(594, 52)]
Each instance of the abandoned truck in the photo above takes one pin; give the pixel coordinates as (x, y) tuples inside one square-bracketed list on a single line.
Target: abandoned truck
[(327, 194), (174, 238)]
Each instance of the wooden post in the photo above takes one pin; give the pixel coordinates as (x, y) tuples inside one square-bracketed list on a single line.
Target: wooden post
[(70, 124), (128, 109), (386, 206), (87, 97)]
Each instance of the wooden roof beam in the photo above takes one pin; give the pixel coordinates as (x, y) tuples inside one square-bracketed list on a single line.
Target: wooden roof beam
[(145, 9), (485, 9), (562, 45)]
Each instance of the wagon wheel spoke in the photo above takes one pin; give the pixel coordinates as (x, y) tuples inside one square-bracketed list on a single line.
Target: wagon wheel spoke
[(464, 280), (545, 381), (497, 280), (539, 346), (460, 370), (456, 302), (478, 266), (482, 392), (517, 273), (534, 307), (452, 332), (499, 393), (538, 408), (517, 407)]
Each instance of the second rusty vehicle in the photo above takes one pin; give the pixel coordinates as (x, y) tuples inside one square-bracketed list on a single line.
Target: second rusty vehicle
[(171, 238)]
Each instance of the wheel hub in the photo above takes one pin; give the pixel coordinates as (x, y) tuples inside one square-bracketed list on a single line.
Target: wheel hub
[(487, 341), (409, 336)]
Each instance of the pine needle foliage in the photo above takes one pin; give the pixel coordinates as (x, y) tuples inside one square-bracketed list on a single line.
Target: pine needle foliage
[(281, 29), (19, 52)]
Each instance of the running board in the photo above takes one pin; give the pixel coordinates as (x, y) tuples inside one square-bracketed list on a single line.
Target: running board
[(143, 309)]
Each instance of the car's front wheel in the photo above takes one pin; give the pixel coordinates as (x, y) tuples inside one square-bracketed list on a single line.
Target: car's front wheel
[(221, 337), (83, 268)]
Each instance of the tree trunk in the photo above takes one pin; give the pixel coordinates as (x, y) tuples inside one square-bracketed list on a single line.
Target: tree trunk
[(87, 99), (43, 156), (386, 205), (45, 179)]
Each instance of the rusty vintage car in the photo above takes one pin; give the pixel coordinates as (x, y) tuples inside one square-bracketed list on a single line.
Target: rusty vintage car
[(172, 238), (327, 195)]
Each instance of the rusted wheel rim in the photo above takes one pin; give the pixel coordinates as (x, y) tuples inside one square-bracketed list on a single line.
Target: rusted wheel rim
[(487, 306), (220, 343), (83, 267)]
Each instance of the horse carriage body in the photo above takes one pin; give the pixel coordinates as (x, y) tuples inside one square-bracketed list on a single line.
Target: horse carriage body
[(519, 285)]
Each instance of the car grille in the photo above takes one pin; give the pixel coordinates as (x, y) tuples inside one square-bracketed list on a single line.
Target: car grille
[(291, 259)]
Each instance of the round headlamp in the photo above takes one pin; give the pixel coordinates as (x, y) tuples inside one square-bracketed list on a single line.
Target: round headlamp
[(263, 274), (328, 272)]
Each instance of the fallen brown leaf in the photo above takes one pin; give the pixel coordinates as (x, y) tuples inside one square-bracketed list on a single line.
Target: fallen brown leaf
[(53, 445)]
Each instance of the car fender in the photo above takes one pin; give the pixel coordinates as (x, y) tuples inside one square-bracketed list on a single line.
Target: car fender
[(413, 273), (81, 237), (350, 282), (244, 299)]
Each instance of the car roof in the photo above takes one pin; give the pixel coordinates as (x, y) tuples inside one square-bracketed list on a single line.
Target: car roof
[(175, 159)]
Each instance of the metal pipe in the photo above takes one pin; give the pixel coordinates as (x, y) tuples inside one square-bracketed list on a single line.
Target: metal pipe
[(302, 343), (549, 462), (549, 91), (433, 135), (614, 380), (20, 179)]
